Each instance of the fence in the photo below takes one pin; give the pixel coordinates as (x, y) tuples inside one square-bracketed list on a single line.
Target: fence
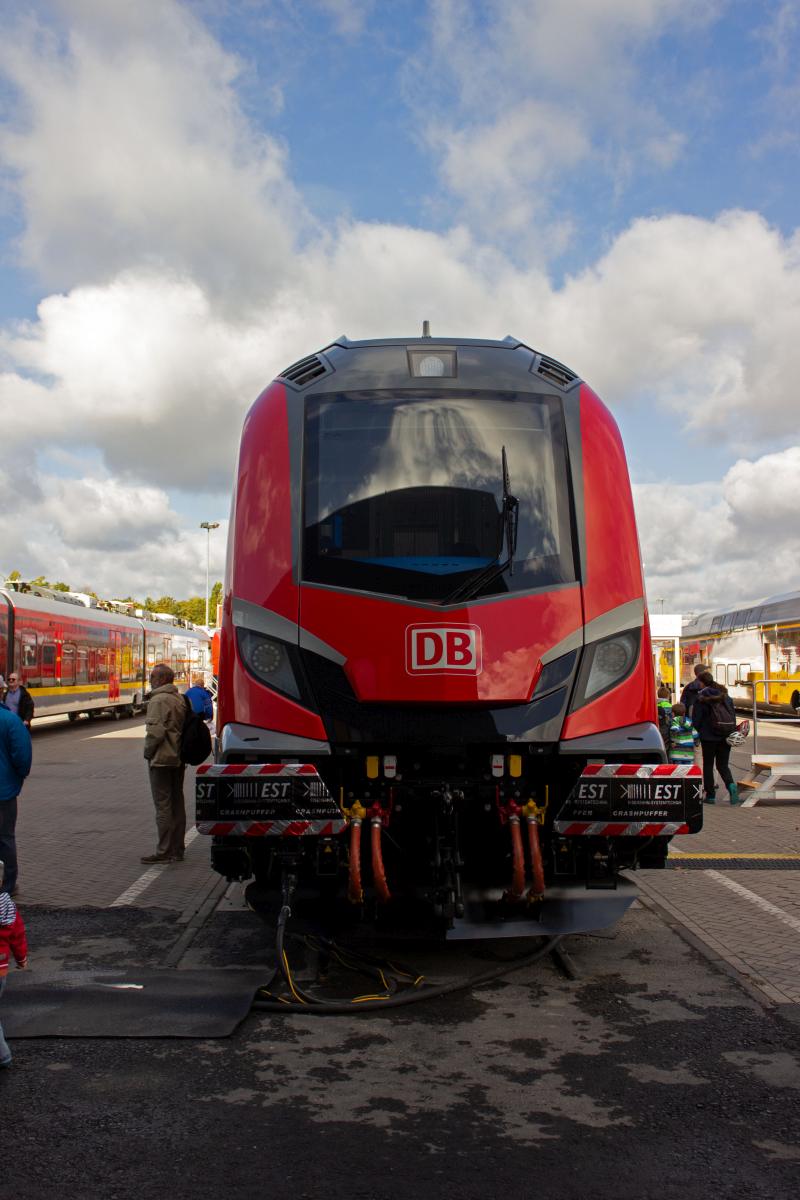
[(755, 685)]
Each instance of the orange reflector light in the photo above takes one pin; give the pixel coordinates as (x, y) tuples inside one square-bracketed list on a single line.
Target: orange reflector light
[(515, 765), (372, 766)]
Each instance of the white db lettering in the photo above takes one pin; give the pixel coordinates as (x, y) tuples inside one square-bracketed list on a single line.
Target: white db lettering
[(445, 648)]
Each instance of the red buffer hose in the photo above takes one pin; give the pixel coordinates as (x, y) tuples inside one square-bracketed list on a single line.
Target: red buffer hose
[(378, 871), (515, 892), (355, 892), (536, 890)]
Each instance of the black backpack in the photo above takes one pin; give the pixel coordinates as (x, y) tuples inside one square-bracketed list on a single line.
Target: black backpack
[(723, 721), (195, 738)]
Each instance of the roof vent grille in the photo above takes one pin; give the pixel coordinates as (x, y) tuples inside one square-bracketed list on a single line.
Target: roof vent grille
[(302, 372), (556, 372)]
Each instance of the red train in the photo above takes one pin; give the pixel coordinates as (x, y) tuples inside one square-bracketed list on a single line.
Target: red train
[(434, 626), (75, 659)]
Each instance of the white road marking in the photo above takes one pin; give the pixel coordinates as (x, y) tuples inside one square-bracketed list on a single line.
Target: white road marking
[(149, 876), (783, 916), (127, 731)]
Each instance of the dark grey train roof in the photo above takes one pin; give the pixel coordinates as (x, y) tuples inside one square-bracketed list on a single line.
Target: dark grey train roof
[(346, 365), (773, 610)]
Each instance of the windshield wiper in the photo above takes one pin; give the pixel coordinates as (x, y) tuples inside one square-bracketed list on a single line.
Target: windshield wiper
[(474, 585)]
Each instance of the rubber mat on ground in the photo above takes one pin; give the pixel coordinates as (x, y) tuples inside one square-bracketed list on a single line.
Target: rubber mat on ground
[(130, 1004)]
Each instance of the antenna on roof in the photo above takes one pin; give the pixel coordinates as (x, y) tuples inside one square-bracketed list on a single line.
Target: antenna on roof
[(426, 329)]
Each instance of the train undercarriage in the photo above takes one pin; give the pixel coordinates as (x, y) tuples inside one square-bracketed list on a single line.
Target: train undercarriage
[(471, 842)]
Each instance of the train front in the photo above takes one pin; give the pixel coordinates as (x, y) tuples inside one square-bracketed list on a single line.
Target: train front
[(436, 697)]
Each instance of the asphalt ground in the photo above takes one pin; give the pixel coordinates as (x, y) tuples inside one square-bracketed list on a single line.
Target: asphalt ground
[(665, 1069)]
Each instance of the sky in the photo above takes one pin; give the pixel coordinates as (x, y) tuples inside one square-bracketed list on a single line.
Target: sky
[(194, 195)]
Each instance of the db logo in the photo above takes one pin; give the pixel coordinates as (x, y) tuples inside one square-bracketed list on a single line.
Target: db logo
[(443, 648)]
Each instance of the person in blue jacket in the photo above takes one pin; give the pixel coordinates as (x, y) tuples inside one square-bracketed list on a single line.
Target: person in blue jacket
[(200, 698), (713, 739), (15, 764)]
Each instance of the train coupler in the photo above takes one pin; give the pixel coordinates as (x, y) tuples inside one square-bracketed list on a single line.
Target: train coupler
[(232, 862)]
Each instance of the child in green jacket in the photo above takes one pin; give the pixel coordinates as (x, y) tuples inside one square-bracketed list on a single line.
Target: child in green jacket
[(682, 736)]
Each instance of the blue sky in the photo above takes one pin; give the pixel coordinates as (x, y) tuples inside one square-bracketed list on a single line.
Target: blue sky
[(192, 195)]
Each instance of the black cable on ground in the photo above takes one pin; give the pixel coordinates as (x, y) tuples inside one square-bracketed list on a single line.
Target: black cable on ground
[(566, 962), (316, 1007)]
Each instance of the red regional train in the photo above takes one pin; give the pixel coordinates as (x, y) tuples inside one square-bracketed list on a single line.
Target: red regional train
[(75, 659), (434, 629)]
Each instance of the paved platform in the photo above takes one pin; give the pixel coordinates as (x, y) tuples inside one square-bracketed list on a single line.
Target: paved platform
[(86, 818), (749, 918)]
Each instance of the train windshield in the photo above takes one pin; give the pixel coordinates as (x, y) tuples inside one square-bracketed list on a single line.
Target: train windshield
[(405, 493)]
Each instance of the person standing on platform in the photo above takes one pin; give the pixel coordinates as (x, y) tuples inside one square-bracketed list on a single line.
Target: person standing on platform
[(166, 712), (682, 737), (18, 699), (12, 943), (664, 709), (200, 698), (15, 765), (714, 718), (689, 693)]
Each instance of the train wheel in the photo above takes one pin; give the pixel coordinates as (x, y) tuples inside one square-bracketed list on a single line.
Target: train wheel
[(73, 716)]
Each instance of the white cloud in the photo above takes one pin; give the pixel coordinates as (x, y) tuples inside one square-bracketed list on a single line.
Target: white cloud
[(98, 533), (514, 95), (144, 369), (349, 16), (106, 515), (702, 313), (190, 280), (698, 313), (532, 140), (130, 149), (708, 545), (764, 494)]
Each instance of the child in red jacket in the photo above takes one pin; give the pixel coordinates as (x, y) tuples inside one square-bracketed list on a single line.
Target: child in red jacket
[(12, 941)]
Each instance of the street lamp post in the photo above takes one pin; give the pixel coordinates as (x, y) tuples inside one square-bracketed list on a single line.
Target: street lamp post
[(208, 526)]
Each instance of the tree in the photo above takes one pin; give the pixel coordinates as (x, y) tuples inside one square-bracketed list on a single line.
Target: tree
[(40, 581), (193, 610), (165, 604)]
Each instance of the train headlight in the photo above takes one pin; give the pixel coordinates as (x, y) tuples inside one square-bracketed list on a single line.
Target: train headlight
[(269, 660), (432, 364), (606, 663)]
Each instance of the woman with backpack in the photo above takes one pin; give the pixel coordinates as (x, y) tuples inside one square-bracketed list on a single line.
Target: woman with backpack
[(714, 718)]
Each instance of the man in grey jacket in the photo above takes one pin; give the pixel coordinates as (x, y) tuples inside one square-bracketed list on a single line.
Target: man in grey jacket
[(166, 711)]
